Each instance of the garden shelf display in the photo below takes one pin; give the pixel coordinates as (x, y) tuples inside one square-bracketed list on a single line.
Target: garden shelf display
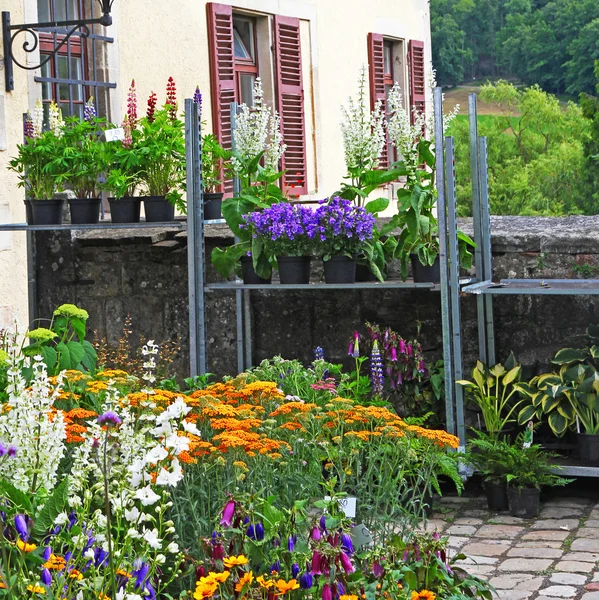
[(485, 288)]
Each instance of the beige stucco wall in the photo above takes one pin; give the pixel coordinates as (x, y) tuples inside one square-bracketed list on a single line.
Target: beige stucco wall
[(171, 39)]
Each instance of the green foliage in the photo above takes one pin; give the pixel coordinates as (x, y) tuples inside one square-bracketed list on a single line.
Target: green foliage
[(63, 344), (161, 151), (590, 109), (495, 391), (214, 157), (537, 163), (122, 167), (570, 393), (488, 455), (36, 167), (78, 159), (551, 42)]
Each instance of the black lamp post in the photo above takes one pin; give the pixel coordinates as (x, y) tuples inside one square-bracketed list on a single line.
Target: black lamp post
[(10, 32)]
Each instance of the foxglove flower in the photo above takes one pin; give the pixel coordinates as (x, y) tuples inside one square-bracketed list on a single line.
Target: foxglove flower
[(316, 563), (315, 534), (377, 569), (228, 512), (327, 593), (346, 563)]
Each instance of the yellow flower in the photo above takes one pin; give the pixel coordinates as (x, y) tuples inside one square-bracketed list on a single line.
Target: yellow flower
[(219, 577), (287, 586), (74, 574), (235, 561), (205, 589), (265, 583), (25, 547), (348, 597), (36, 589), (423, 595), (243, 581), (55, 562)]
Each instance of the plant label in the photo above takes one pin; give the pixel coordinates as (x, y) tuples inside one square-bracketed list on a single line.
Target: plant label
[(347, 505), (113, 135), (361, 536)]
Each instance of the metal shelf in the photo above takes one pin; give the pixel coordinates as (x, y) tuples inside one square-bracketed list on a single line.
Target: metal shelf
[(234, 285), (536, 287), (101, 225)]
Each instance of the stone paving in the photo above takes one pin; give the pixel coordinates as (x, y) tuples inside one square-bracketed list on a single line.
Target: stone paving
[(549, 558)]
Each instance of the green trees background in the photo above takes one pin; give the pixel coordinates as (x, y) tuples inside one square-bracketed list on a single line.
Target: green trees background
[(552, 43)]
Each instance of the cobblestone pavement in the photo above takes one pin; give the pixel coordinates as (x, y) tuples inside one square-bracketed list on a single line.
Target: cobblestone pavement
[(549, 558)]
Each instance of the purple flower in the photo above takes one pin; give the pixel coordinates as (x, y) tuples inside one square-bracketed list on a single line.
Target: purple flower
[(89, 110), (276, 566), (318, 353), (315, 534), (47, 553), (377, 569), (12, 451), (317, 563), (21, 527), (327, 594), (109, 418), (291, 543), (295, 570), (347, 544), (393, 353), (354, 346), (46, 577), (323, 523), (256, 532), (141, 575), (346, 563), (377, 378), (306, 581), (228, 512)]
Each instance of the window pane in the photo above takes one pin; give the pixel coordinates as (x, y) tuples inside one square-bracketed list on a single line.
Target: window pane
[(43, 11), (66, 6), (75, 72), (388, 60), (246, 87), (76, 112), (243, 33), (46, 87)]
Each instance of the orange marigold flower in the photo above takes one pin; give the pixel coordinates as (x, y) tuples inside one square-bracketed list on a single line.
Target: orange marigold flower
[(81, 413), (423, 595), (287, 586), (289, 407), (24, 546), (55, 562)]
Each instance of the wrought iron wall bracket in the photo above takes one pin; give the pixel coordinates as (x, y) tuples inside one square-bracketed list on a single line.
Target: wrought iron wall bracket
[(11, 32)]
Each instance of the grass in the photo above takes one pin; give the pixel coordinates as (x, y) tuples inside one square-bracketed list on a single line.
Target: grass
[(459, 95)]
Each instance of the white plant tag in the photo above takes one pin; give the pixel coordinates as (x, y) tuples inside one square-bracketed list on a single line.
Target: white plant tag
[(347, 505), (113, 135)]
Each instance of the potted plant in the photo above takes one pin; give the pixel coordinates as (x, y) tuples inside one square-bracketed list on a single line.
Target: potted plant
[(495, 392), (488, 456), (36, 167), (161, 148), (285, 231), (527, 469), (78, 163), (213, 159), (343, 230), (418, 242)]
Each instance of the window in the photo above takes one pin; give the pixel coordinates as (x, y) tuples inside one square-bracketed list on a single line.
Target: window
[(234, 44), (246, 60), (74, 74)]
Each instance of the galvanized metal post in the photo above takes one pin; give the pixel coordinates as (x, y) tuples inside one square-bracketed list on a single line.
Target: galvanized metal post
[(240, 295), (195, 241), (476, 222), (485, 221), (454, 285), (445, 299)]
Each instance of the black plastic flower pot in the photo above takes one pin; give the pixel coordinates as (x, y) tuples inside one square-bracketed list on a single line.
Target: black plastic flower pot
[(340, 269), (47, 212), (249, 275), (294, 269), (363, 273), (158, 209), (28, 212), (588, 448), (496, 493), (213, 206), (125, 210), (84, 210), (524, 502), (425, 273)]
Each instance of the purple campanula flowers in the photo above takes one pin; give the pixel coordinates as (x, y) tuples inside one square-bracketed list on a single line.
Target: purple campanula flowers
[(46, 577), (295, 570), (287, 229), (21, 527), (346, 544), (306, 581)]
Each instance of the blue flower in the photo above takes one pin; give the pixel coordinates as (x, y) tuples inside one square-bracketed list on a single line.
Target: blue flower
[(306, 581)]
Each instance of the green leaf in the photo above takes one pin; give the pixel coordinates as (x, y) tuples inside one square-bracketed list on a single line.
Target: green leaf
[(376, 206), (64, 356), (558, 423), (53, 507), (79, 328), (50, 356), (16, 496), (527, 414), (569, 355), (233, 208), (76, 351), (225, 260), (511, 376)]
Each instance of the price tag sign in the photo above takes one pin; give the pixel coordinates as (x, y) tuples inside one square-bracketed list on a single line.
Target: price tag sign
[(113, 135), (361, 536), (347, 505)]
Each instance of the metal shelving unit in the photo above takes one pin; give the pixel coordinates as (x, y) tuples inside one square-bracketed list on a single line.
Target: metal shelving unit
[(101, 225), (485, 288)]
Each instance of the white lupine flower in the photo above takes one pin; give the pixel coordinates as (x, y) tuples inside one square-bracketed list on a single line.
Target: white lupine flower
[(363, 130), (55, 120), (258, 130), (38, 119)]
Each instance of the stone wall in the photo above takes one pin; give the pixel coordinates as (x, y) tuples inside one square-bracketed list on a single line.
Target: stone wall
[(144, 274)]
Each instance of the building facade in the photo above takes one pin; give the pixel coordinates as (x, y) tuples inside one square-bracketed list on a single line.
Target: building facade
[(308, 54)]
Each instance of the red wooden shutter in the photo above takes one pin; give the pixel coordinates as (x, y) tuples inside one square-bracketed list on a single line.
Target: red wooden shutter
[(376, 70), (222, 73), (290, 102), (417, 77)]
